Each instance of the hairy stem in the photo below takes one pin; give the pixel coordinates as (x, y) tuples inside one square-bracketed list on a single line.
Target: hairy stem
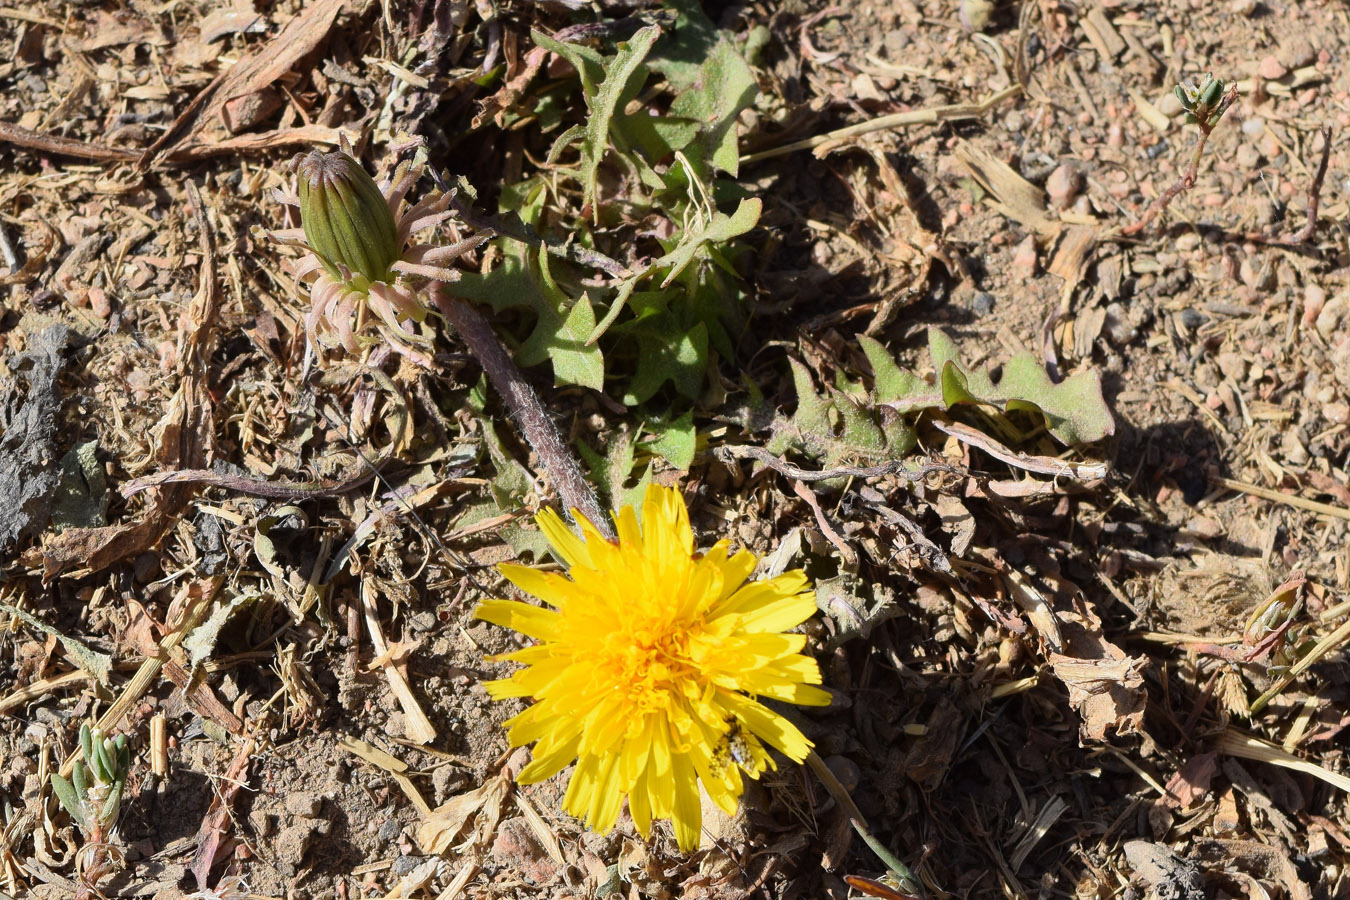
[(524, 405)]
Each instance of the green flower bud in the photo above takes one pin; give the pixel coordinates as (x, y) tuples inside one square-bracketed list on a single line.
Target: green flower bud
[(345, 217), (1211, 92)]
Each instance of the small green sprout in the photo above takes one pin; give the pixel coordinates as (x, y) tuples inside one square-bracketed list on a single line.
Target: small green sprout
[(1203, 104), (93, 795)]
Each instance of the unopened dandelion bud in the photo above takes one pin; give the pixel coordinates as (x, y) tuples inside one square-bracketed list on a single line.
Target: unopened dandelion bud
[(346, 219)]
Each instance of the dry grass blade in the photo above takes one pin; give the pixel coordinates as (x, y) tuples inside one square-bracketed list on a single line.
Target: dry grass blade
[(1247, 746), (419, 727), (954, 112)]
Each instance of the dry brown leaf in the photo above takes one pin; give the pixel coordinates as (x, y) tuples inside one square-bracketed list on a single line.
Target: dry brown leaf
[(1013, 195), (440, 828)]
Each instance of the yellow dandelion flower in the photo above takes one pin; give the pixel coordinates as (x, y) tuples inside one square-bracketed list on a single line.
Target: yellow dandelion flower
[(649, 668)]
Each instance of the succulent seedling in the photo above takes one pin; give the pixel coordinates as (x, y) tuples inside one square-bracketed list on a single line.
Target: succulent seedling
[(1205, 104), (93, 795)]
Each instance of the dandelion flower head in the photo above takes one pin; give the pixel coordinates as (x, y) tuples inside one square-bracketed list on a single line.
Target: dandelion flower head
[(649, 668), (364, 270)]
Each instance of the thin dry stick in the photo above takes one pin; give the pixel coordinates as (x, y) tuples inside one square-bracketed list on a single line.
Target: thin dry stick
[(1186, 181), (1312, 506), (952, 113), (524, 404), (1314, 201)]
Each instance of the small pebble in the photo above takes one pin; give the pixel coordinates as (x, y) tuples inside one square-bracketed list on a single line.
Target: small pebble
[(974, 14), (1247, 157), (1244, 7), (1271, 68), (1292, 448), (982, 304), (1329, 318), (1024, 260), (1064, 184), (1115, 135), (1187, 242), (1169, 104), (1254, 127), (1336, 413), (1314, 298), (1297, 52), (99, 303), (1157, 150)]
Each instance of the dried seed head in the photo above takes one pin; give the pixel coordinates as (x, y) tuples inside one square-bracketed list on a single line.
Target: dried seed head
[(346, 219)]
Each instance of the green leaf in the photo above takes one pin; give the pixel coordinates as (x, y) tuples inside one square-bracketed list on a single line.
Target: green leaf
[(622, 77), (677, 442), (725, 87), (65, 792), (890, 382), (665, 354), (202, 641), (560, 334), (1074, 410), (722, 228), (525, 279), (113, 805)]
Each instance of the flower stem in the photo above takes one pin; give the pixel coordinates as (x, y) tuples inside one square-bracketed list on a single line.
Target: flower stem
[(901, 871), (525, 406)]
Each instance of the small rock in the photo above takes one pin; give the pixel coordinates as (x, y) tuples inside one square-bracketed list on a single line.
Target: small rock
[(1256, 275), (1024, 260), (1014, 121), (304, 804), (982, 304), (1117, 327), (1254, 127), (1336, 413), (1248, 157), (1169, 104), (1244, 7), (974, 14), (516, 848), (405, 864), (1115, 135), (1064, 184), (1330, 317), (1232, 365), (99, 303), (1271, 68), (1292, 448), (1314, 298), (1187, 242), (845, 770), (1297, 52), (1205, 528)]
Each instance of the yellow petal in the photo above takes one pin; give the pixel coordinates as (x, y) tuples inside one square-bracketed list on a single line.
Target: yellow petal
[(566, 544), (551, 587), (531, 621), (543, 766), (640, 806), (769, 726), (687, 816)]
